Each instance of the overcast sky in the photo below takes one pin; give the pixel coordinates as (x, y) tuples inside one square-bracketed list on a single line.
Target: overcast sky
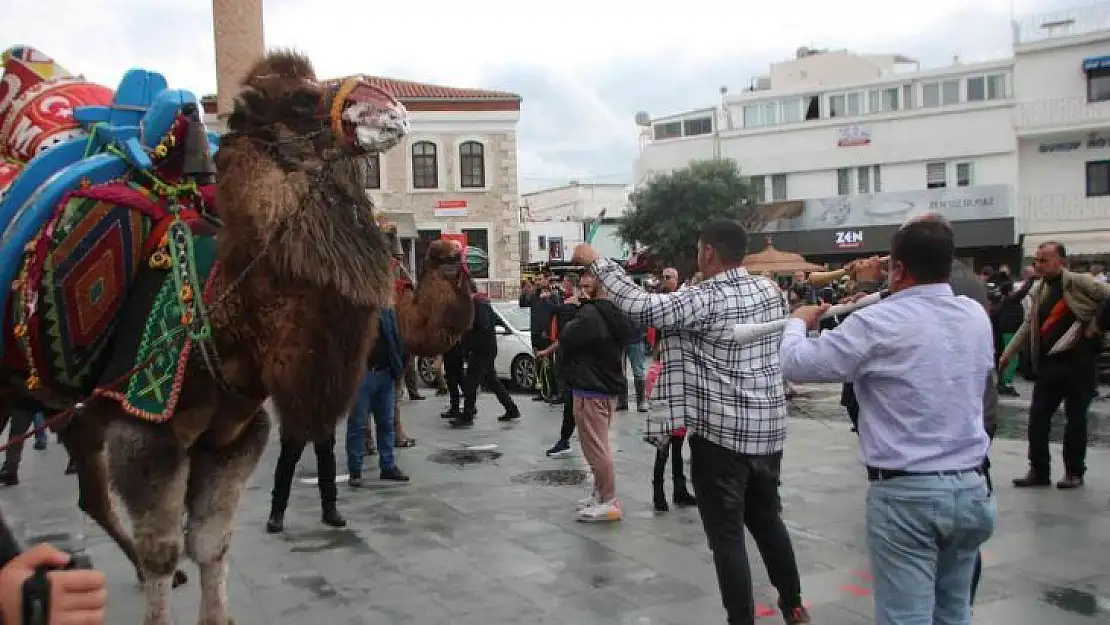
[(584, 67)]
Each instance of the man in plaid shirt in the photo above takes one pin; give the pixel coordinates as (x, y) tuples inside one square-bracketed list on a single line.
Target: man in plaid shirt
[(730, 398)]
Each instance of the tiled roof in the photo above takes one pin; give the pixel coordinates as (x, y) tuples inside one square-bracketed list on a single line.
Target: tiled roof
[(411, 90)]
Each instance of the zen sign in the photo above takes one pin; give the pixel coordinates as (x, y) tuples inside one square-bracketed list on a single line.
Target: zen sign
[(849, 239)]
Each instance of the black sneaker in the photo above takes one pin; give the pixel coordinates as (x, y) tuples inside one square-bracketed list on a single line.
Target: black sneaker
[(40, 445), (276, 523), (450, 413), (539, 398), (511, 415), (561, 449), (9, 478), (356, 481), (393, 475), (332, 518)]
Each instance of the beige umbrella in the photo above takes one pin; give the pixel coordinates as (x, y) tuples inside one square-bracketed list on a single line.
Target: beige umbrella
[(772, 260)]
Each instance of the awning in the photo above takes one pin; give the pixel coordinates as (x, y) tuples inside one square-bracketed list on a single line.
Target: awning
[(781, 209), (1075, 243), (406, 223), (1096, 62)]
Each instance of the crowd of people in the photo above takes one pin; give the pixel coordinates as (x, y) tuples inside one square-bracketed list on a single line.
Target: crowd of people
[(923, 401)]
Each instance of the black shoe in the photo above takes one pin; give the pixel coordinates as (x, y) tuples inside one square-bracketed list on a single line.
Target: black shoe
[(462, 421), (332, 518), (440, 392), (511, 415), (539, 398), (682, 497), (9, 478), (40, 445), (560, 449), (555, 401), (450, 413), (71, 467), (1008, 391), (276, 523), (393, 475), (356, 481), (795, 616), (1069, 482), (416, 397), (659, 499), (1032, 480)]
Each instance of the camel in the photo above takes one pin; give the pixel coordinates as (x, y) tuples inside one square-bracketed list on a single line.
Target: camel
[(303, 270)]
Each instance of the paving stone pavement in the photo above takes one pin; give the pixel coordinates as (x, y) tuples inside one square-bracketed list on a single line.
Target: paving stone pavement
[(465, 543)]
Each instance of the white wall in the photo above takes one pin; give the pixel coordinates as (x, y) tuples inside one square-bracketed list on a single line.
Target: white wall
[(666, 156), (569, 231), (576, 201), (1053, 191)]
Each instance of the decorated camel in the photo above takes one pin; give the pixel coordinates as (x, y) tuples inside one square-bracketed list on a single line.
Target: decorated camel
[(264, 285)]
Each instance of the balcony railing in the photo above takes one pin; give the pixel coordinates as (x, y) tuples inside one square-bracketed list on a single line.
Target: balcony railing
[(1065, 207), (1073, 113), (1066, 23)]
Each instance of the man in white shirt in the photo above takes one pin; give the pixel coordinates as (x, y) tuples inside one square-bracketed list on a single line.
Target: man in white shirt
[(920, 361)]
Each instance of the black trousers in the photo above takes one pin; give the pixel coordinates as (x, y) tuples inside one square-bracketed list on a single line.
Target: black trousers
[(566, 430), (453, 362), (480, 372), (20, 424), (737, 491), (673, 450), (287, 464), (1073, 384)]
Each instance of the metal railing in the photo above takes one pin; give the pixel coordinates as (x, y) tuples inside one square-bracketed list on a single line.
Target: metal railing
[(1065, 23), (1061, 112)]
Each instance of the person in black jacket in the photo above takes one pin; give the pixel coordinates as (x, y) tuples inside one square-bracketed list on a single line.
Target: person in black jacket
[(592, 347), (1006, 318), (480, 350), (541, 301), (563, 314)]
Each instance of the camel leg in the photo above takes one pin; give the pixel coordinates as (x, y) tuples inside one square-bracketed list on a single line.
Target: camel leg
[(216, 482), (149, 469)]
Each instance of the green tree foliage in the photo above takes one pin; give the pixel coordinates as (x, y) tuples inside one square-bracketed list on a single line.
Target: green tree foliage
[(669, 211)]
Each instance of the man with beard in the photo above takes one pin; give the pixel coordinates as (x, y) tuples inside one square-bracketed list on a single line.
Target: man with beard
[(730, 398)]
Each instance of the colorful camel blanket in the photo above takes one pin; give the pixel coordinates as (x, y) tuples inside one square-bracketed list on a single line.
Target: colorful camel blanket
[(153, 345)]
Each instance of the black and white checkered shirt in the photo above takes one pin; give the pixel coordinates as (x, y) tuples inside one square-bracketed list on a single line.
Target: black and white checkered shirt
[(727, 393)]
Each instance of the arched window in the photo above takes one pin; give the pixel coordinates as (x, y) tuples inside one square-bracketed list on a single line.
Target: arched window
[(425, 165), (472, 165)]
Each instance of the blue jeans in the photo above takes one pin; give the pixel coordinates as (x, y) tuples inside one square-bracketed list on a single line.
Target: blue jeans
[(923, 534), (42, 435), (637, 357), (375, 396)]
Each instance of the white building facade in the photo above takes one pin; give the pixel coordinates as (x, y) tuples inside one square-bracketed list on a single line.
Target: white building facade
[(556, 219), (859, 143)]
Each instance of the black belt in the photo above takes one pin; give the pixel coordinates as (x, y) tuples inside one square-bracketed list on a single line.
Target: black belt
[(879, 475)]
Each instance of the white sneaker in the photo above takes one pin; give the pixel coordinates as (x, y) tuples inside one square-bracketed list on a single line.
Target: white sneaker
[(586, 502), (607, 512)]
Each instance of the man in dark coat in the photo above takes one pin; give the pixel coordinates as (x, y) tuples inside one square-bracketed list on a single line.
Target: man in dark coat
[(480, 350)]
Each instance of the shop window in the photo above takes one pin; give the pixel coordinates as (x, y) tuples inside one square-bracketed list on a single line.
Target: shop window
[(1098, 179)]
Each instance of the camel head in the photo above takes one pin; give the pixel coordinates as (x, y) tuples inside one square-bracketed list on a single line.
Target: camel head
[(435, 317), (445, 262), (283, 104)]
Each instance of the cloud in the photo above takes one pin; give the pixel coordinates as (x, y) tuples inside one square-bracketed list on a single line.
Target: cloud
[(583, 67)]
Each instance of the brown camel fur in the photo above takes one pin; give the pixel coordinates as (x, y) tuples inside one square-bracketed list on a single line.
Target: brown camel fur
[(433, 318), (304, 269)]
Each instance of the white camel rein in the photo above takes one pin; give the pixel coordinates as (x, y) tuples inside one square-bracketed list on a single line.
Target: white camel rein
[(744, 333)]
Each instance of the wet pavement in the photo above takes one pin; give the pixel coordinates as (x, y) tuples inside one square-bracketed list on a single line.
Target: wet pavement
[(486, 535)]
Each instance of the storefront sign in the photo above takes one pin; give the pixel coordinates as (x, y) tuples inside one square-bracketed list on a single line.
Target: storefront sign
[(848, 239), (851, 136), (1064, 146), (852, 212), (450, 208)]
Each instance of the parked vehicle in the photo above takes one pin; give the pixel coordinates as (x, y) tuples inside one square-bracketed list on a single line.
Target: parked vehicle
[(515, 360)]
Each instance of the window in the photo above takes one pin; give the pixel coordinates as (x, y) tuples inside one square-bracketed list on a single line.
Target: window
[(876, 179), (976, 89), (792, 111), (778, 187), (843, 181), (472, 165), (963, 174), (478, 238), (758, 188), (541, 242), (855, 104), (813, 107), (890, 100), (837, 106), (700, 126), (930, 94), (936, 175), (874, 101), (425, 165), (1098, 178), (771, 112), (752, 117), (670, 130), (372, 171), (1098, 85), (863, 178), (949, 92), (996, 86), (907, 97)]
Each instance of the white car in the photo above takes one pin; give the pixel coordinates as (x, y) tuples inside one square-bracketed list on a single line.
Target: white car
[(515, 360)]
